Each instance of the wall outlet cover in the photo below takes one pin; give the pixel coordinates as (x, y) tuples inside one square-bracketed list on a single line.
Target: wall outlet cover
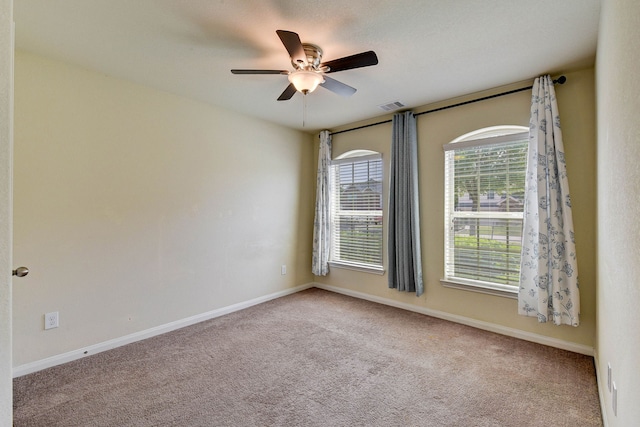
[(51, 320)]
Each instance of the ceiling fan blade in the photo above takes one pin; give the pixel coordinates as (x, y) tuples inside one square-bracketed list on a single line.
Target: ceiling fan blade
[(292, 43), (363, 59), (337, 87), (259, 72), (288, 93)]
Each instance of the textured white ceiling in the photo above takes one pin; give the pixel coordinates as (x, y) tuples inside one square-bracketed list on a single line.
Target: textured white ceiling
[(428, 50)]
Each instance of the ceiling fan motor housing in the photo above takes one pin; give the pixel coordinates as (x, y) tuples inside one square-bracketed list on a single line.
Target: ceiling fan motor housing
[(314, 57)]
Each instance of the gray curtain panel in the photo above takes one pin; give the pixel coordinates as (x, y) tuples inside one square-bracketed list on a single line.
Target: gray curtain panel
[(405, 262)]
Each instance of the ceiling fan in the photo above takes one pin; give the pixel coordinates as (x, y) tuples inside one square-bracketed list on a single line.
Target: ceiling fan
[(309, 70)]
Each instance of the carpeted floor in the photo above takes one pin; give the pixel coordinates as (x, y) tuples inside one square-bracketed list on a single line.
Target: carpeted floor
[(317, 358)]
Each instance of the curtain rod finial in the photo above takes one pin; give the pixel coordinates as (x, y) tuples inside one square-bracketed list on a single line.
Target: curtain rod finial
[(561, 80)]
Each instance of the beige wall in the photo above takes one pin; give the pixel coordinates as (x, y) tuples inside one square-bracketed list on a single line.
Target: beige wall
[(135, 208), (576, 103), (6, 125), (618, 253)]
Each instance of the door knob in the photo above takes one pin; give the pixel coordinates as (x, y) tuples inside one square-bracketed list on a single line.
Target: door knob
[(21, 271)]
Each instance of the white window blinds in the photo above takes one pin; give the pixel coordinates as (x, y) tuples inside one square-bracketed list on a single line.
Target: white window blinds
[(356, 207), (484, 199)]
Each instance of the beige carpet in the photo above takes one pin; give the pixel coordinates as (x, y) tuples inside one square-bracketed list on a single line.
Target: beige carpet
[(317, 358)]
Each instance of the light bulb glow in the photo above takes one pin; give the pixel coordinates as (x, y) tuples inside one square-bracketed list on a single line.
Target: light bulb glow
[(305, 81)]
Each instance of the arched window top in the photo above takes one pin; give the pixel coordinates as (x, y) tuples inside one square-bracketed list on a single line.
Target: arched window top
[(357, 153), (356, 156), (490, 132)]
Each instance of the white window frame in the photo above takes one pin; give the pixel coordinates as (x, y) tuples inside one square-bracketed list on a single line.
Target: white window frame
[(355, 156), (482, 137)]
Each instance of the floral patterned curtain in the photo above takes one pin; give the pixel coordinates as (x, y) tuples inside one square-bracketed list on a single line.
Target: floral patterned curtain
[(321, 224), (548, 269)]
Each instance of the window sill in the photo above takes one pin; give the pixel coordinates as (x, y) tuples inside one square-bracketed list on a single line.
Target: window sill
[(505, 291), (357, 267)]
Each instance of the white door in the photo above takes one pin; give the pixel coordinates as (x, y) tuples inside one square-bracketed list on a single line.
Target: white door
[(6, 208)]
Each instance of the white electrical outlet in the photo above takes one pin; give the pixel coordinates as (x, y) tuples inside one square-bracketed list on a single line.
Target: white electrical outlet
[(614, 400), (283, 269), (51, 320)]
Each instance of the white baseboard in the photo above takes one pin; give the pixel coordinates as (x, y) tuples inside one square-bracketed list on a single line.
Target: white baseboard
[(59, 359), (491, 327), (602, 387)]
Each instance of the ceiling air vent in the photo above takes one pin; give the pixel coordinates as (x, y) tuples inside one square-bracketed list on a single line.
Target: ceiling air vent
[(392, 106)]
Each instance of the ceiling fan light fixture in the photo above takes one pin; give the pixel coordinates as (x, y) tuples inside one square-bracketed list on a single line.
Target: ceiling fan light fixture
[(305, 81)]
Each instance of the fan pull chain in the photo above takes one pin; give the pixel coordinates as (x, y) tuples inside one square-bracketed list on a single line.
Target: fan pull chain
[(304, 109)]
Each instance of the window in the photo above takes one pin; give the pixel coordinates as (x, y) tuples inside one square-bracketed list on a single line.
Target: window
[(484, 201), (356, 210)]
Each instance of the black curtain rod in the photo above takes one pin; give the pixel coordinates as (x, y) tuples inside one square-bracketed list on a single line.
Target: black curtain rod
[(560, 80)]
